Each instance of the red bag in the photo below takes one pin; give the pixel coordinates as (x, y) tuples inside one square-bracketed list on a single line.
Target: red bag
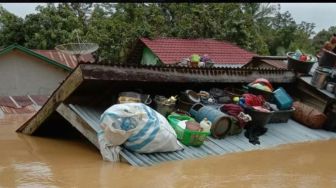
[(254, 100)]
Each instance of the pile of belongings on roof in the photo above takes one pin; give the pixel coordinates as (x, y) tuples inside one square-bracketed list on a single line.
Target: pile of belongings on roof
[(147, 124), (196, 60)]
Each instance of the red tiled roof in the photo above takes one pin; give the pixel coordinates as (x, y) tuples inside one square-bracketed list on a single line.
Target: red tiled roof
[(172, 50), (65, 59)]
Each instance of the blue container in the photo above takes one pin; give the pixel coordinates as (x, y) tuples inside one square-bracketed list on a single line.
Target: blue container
[(282, 99), (221, 122)]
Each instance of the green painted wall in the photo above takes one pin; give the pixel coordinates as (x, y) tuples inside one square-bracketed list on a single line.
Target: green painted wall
[(149, 58)]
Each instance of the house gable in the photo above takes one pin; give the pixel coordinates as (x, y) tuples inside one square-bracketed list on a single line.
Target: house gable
[(149, 58), (34, 54), (22, 74)]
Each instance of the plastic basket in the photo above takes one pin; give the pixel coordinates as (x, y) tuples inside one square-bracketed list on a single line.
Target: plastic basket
[(187, 137), (268, 96), (297, 65), (281, 116), (258, 118)]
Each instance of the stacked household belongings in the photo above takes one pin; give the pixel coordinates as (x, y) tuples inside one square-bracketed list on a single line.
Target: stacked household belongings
[(319, 103)]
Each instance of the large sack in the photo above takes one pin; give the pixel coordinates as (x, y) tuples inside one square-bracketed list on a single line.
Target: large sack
[(138, 128), (308, 116)]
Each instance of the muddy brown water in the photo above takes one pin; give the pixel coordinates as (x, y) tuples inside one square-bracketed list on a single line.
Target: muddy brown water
[(30, 161)]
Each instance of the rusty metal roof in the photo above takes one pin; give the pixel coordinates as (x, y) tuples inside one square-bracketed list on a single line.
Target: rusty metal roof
[(166, 73), (275, 61), (22, 101), (66, 59), (21, 104)]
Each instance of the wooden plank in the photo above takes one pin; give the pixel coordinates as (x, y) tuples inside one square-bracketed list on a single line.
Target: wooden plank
[(60, 94), (79, 123)]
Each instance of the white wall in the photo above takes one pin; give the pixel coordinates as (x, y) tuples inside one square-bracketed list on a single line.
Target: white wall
[(23, 74)]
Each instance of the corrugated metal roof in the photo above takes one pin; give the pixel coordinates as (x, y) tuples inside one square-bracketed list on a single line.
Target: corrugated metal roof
[(65, 59), (277, 134), (279, 62), (172, 50), (21, 104)]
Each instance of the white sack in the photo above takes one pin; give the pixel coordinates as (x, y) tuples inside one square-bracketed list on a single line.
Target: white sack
[(138, 127)]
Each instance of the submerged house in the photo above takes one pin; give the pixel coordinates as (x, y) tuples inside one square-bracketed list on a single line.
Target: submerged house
[(26, 74), (169, 51), (79, 101)]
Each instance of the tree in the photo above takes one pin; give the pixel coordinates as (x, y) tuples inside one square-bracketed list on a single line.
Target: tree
[(51, 26), (83, 12), (302, 38), (257, 27), (282, 27), (10, 28)]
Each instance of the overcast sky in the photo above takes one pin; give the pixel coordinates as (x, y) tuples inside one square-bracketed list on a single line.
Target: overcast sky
[(322, 14)]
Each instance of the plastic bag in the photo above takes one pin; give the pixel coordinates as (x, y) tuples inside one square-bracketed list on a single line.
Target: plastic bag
[(138, 128)]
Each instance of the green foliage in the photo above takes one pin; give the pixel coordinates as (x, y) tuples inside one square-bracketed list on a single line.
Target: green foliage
[(50, 26), (258, 27), (321, 37), (10, 28)]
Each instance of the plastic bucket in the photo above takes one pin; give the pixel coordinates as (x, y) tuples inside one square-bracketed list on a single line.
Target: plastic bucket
[(298, 66), (221, 122), (162, 108), (327, 59), (320, 76)]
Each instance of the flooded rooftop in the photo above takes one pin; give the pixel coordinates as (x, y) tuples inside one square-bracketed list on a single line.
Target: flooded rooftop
[(32, 161)]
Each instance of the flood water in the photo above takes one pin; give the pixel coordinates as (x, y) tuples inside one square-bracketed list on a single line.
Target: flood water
[(30, 161)]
